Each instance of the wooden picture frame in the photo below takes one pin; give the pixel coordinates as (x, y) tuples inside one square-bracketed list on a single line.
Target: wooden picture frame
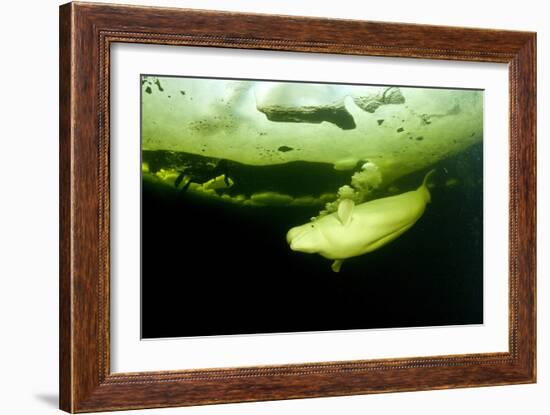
[(86, 33)]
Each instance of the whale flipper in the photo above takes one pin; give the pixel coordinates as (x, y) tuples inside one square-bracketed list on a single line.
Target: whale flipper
[(337, 265), (345, 211)]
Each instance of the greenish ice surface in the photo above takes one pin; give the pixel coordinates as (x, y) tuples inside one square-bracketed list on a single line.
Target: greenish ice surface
[(373, 134)]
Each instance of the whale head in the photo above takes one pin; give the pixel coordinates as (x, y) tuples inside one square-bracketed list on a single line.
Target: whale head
[(305, 238)]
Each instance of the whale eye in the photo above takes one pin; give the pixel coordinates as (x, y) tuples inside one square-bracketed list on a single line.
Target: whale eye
[(313, 226)]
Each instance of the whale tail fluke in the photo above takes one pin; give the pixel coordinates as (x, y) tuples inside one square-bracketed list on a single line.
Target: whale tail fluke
[(424, 186), (427, 176)]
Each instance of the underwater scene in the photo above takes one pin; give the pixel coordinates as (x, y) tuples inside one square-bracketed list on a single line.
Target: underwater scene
[(280, 206)]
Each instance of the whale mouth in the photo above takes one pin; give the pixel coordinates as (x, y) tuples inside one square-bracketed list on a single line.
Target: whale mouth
[(293, 234), (304, 247), (296, 183)]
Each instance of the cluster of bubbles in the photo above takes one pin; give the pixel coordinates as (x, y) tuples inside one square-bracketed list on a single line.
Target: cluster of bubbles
[(362, 184)]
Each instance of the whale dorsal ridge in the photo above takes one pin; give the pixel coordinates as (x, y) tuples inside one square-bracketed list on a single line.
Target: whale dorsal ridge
[(345, 210)]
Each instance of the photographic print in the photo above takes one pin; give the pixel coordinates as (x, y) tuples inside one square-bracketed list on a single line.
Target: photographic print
[(278, 206)]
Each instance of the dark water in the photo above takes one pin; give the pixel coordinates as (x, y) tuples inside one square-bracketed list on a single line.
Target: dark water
[(213, 268)]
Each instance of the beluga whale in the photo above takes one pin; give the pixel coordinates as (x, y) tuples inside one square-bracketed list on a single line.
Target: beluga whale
[(355, 230)]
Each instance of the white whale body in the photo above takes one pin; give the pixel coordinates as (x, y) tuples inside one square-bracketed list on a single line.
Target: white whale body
[(358, 230)]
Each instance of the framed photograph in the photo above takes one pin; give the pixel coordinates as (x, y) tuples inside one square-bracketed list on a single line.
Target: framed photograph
[(258, 207)]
